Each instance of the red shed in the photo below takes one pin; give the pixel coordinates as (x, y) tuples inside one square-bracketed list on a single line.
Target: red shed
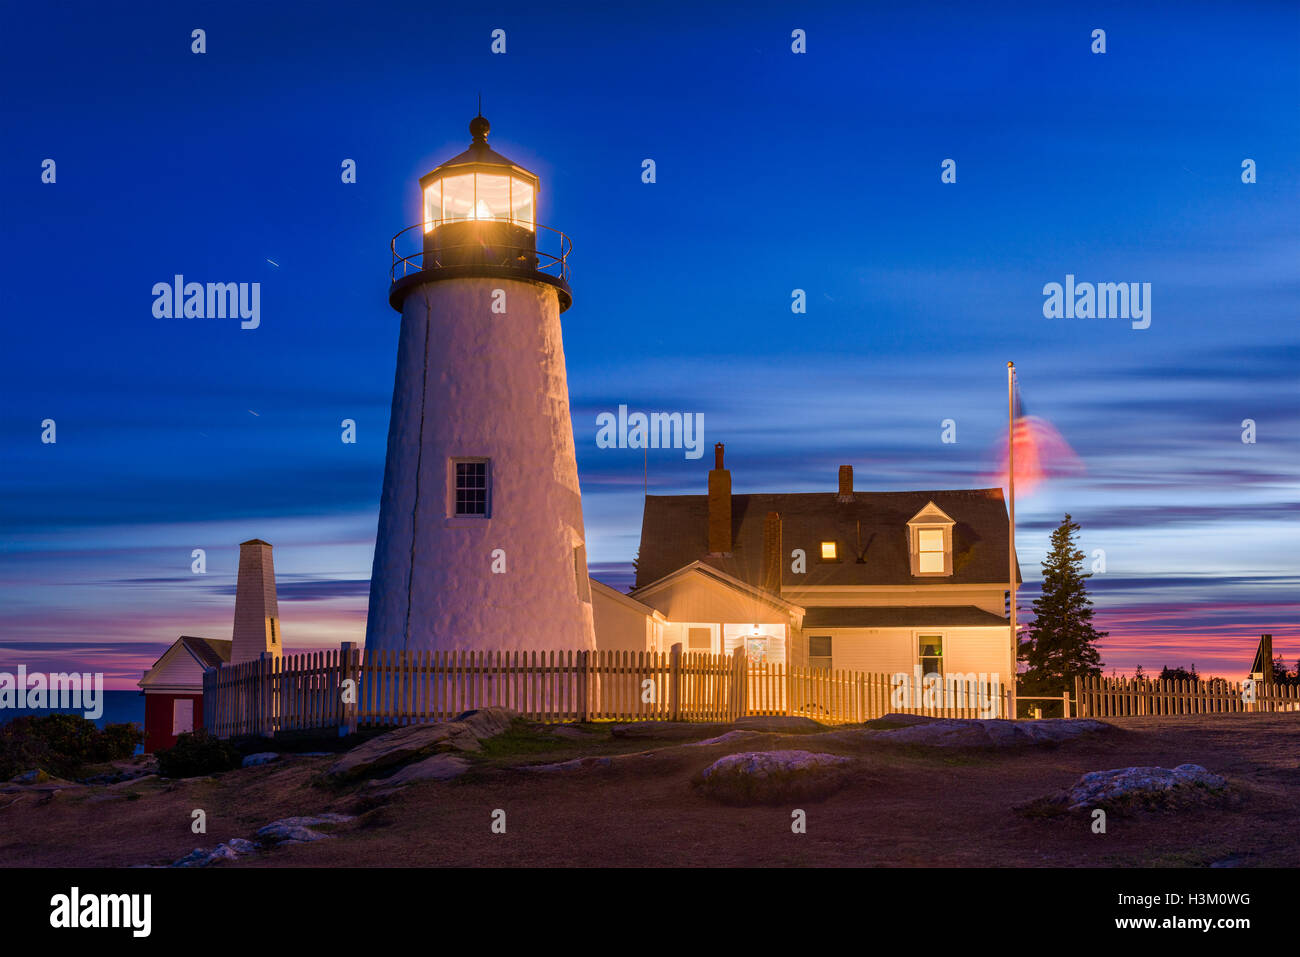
[(173, 688)]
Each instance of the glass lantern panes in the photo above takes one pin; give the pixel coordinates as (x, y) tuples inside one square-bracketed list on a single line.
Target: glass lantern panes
[(432, 205), (481, 196), (491, 197), (458, 197), (521, 202)]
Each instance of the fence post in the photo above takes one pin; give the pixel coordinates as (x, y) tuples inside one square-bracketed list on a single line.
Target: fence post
[(740, 683), (1011, 697), (583, 671), (347, 710), (675, 682), (210, 677), (266, 682)]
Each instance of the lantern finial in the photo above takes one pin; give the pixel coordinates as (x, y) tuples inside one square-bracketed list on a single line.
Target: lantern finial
[(479, 127)]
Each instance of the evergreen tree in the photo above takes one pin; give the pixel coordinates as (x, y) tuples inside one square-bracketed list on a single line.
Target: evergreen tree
[(1283, 677), (1060, 643)]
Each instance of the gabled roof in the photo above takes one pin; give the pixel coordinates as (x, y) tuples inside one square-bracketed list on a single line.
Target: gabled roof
[(674, 533), (206, 653), (627, 601), (931, 513), (1263, 662), (210, 652), (723, 578)]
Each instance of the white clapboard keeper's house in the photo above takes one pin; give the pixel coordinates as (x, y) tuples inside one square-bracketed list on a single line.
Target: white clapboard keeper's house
[(879, 582)]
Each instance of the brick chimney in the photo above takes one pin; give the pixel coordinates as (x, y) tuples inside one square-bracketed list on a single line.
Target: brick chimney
[(257, 614), (772, 552), (846, 484), (719, 506)]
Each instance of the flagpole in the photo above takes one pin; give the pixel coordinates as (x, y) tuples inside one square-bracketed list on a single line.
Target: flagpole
[(1011, 529)]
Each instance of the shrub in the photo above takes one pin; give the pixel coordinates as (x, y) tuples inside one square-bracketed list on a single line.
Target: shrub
[(196, 753), (19, 753), (119, 741), (62, 744)]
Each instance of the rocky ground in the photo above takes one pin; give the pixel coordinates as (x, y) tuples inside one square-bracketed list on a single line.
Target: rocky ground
[(897, 792)]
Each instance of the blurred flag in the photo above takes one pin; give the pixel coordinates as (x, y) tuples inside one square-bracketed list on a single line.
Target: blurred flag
[(1041, 452)]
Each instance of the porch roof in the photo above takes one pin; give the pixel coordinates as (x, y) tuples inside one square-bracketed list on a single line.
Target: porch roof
[(901, 616)]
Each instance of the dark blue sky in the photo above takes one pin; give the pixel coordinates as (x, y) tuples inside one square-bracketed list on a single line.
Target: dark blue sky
[(775, 171)]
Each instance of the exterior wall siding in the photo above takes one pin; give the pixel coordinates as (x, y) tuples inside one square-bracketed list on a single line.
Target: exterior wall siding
[(179, 673), (893, 650), (158, 707), (697, 598), (618, 627)]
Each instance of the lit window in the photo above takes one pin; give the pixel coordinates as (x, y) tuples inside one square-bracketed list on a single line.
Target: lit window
[(930, 550), (699, 639), (829, 552), (931, 654), (471, 487), (819, 651)]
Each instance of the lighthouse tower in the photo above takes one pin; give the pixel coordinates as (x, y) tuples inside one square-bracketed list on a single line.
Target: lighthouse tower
[(257, 613), (480, 543)]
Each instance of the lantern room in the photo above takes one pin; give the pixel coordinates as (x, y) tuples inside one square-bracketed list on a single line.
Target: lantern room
[(479, 217), (479, 185), (479, 208)]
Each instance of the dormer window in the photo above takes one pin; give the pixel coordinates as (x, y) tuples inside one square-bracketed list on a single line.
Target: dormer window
[(830, 552), (929, 542)]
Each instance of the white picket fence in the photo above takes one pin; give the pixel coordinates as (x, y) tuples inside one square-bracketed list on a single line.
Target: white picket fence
[(1100, 697), (351, 688)]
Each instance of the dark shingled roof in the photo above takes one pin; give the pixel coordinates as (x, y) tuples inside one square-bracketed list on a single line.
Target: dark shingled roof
[(674, 532), (931, 616), (210, 651)]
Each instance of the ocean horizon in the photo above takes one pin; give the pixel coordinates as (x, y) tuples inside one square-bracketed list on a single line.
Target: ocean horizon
[(120, 707)]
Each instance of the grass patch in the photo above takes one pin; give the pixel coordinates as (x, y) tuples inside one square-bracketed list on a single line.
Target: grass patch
[(525, 742), (523, 738)]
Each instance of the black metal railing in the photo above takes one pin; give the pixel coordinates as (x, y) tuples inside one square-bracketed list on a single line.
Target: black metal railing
[(547, 251)]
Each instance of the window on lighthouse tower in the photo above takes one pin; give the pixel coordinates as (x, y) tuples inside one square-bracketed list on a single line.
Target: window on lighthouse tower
[(471, 487)]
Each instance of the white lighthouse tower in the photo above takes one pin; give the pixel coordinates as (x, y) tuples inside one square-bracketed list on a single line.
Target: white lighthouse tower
[(480, 543)]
